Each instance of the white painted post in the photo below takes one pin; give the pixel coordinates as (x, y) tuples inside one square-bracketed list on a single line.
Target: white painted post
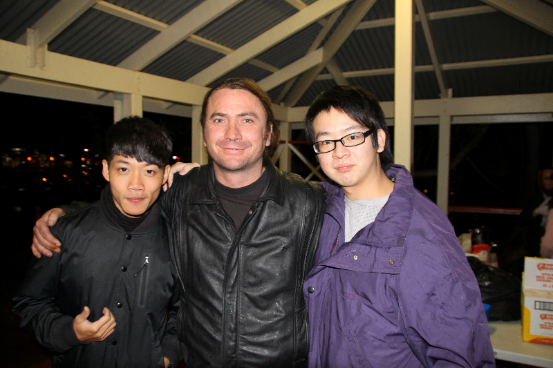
[(404, 84), (126, 104), (199, 153), (285, 163)]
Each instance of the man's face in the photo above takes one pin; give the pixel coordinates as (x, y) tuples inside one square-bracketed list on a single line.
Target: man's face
[(548, 180), (354, 168), (134, 185), (235, 132)]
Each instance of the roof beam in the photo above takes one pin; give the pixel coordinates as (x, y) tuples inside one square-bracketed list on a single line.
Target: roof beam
[(342, 32), (160, 26), (431, 47), (69, 70), (320, 37), (57, 19), (177, 32), (442, 14), (281, 31), (131, 16), (336, 73), (297, 67), (452, 66), (532, 12), (537, 103)]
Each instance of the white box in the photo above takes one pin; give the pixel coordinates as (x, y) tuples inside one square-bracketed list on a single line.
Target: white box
[(537, 301)]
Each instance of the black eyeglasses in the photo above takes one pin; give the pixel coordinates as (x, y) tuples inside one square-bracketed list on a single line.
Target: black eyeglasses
[(350, 140)]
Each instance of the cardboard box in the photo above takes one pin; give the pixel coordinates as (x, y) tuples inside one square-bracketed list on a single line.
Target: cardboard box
[(537, 301)]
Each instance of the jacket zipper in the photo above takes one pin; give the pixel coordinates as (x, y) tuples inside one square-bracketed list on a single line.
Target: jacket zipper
[(143, 279)]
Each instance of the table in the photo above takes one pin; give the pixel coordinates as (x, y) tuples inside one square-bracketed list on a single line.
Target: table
[(508, 345)]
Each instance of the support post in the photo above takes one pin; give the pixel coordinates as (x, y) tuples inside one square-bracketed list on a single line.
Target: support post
[(444, 149), (199, 153), (285, 161), (404, 83), (126, 104)]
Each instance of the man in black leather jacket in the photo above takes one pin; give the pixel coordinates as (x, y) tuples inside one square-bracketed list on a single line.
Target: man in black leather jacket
[(243, 236)]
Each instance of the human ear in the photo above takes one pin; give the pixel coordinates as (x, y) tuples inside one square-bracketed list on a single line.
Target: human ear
[(381, 139), (105, 169), (166, 173), (269, 136)]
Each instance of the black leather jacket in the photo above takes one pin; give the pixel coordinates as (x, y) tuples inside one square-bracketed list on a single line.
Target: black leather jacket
[(242, 304), (101, 265)]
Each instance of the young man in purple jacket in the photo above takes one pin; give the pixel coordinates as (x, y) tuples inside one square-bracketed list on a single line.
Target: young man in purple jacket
[(391, 286)]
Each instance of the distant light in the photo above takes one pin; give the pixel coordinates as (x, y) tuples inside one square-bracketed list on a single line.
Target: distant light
[(65, 175), (44, 179), (83, 159), (51, 158), (174, 157), (62, 155), (29, 158), (425, 191), (451, 193), (86, 149), (178, 158)]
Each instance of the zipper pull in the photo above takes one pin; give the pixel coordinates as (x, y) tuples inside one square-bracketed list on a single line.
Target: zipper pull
[(146, 262)]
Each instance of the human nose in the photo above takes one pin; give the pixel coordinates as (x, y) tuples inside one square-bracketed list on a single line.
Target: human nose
[(340, 150), (135, 181), (232, 132)]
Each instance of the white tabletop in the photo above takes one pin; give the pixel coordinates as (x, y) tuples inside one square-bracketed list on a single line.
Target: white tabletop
[(508, 345)]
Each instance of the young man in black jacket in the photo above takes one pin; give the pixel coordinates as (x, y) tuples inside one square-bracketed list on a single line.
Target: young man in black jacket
[(115, 268)]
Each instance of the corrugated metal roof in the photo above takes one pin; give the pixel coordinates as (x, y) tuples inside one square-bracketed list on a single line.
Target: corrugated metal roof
[(101, 37), (489, 35), (18, 15)]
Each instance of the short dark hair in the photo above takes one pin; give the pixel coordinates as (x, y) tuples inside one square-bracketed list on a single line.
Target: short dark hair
[(250, 86), (141, 139), (359, 105)]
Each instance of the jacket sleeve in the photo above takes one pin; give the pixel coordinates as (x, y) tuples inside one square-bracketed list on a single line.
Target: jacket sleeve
[(441, 309), (170, 344), (35, 304), (313, 222)]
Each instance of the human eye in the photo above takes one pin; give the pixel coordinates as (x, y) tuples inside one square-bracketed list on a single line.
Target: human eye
[(325, 143), (150, 172), (122, 169)]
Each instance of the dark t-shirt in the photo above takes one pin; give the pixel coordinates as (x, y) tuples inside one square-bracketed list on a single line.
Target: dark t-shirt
[(238, 201)]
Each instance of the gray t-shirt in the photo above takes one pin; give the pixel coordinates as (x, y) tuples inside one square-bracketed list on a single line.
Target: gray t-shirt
[(362, 212)]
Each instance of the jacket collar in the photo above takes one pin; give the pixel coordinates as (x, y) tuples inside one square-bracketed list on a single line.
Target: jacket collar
[(203, 191), (390, 226)]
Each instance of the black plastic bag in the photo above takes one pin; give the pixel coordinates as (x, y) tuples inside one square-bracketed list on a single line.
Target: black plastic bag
[(499, 289)]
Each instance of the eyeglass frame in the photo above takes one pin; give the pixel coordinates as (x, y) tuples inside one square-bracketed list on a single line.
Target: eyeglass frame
[(341, 140)]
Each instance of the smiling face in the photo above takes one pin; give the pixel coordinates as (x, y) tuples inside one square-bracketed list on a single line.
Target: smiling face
[(356, 169), (135, 186), (235, 133)]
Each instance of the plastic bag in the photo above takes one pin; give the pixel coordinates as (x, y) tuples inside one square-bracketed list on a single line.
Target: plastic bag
[(499, 289)]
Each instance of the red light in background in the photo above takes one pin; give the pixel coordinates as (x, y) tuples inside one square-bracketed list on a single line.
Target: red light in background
[(29, 158), (51, 158), (82, 159)]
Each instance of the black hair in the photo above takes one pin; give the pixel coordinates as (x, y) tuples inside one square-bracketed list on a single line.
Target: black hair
[(141, 139), (359, 105), (250, 86)]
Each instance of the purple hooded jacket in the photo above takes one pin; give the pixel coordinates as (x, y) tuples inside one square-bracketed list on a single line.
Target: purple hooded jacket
[(399, 294)]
